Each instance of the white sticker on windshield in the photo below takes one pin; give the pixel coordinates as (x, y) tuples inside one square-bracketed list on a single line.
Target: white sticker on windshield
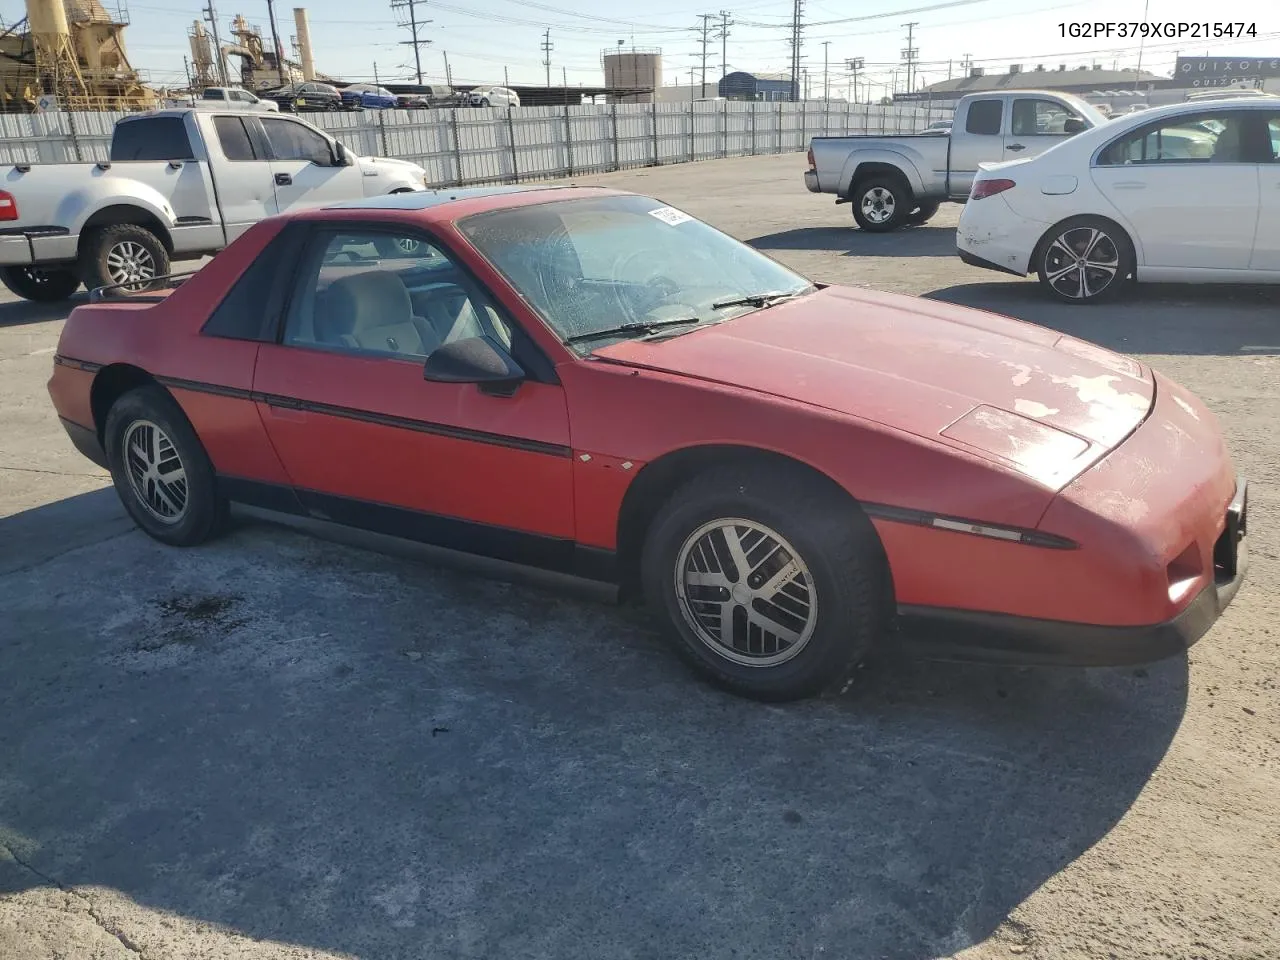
[(670, 215)]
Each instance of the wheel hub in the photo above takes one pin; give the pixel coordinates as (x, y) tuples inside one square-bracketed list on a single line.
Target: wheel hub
[(156, 473), (745, 592)]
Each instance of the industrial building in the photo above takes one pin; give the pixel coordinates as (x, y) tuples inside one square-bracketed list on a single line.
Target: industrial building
[(755, 86), (1078, 80)]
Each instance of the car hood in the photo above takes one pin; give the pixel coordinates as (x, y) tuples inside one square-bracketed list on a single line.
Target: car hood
[(387, 165), (1041, 402)]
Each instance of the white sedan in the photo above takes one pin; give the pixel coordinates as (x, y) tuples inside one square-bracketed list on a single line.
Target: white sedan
[(1188, 193)]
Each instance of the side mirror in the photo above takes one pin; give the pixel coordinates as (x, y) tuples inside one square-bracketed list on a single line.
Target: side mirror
[(479, 360), (1074, 125), (341, 157)]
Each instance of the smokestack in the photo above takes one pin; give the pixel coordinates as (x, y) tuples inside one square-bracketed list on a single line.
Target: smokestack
[(47, 18), (304, 42)]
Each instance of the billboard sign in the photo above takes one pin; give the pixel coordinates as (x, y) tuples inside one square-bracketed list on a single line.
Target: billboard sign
[(1225, 71)]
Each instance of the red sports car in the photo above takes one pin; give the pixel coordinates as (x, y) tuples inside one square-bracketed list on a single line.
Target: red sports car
[(595, 382)]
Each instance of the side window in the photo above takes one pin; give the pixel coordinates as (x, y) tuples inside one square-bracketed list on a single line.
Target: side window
[(293, 141), (1033, 118), (984, 117), (234, 139), (374, 293), (249, 311), (1207, 138), (1273, 131), (151, 138), (213, 93)]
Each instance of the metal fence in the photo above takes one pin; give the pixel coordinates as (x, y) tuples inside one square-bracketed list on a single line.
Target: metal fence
[(509, 145)]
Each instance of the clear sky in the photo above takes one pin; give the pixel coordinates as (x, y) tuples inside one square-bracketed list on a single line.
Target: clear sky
[(481, 37)]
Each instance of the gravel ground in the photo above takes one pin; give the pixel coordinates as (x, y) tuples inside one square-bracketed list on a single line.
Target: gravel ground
[(287, 746)]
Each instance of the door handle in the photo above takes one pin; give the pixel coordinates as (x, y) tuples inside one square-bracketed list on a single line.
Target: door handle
[(1015, 147), (285, 408), (1130, 185), (283, 180)]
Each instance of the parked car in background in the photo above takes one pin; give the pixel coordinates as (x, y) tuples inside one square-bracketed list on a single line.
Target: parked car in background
[(494, 97), (895, 181), (369, 96), (180, 184), (938, 126), (422, 96), (1183, 193), (309, 97), (236, 98), (593, 382)]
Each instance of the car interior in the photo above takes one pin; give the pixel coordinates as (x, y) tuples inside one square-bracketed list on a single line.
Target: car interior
[(387, 296)]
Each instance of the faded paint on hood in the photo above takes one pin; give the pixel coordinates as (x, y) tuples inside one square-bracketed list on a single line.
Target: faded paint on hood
[(1044, 403)]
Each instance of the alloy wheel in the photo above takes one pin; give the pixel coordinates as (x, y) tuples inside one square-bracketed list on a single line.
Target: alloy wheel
[(1081, 263), (130, 263), (745, 592), (878, 204), (156, 472)]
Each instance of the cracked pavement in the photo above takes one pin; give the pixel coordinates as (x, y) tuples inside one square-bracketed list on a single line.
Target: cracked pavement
[(302, 743)]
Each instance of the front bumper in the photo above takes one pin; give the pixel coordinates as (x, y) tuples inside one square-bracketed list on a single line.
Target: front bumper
[(1001, 638)]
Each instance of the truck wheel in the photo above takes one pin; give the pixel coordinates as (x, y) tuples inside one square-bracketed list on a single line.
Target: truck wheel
[(881, 204), (124, 253), (41, 284), (923, 213), (773, 585)]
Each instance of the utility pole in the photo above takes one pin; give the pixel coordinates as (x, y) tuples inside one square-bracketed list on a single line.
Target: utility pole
[(826, 76), (186, 68), (854, 66), (448, 74), (797, 15), (966, 64), (211, 17), (725, 24), (547, 47), (275, 42), (692, 71), (909, 55), (706, 19), (506, 77), (414, 24)]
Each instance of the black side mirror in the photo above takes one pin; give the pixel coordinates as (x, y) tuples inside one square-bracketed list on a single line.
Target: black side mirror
[(479, 360), (1074, 125)]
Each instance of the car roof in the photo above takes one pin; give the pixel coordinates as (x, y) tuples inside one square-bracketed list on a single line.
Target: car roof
[(462, 202)]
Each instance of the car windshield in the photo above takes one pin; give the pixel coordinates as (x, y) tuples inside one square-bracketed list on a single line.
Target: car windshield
[(600, 264)]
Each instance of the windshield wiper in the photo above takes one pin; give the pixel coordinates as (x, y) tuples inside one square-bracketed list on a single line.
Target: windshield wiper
[(758, 299), (643, 326)]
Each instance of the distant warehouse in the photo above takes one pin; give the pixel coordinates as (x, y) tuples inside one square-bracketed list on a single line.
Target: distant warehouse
[(756, 86)]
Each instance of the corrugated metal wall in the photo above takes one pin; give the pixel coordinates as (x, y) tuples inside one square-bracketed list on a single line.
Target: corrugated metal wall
[(496, 145)]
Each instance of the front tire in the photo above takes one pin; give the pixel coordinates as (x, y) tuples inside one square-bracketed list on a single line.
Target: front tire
[(1085, 260), (123, 254), (160, 469), (881, 204), (40, 284), (772, 584)]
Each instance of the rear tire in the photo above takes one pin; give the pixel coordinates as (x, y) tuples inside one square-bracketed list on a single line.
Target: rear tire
[(881, 203), (161, 471), (1103, 249), (123, 253), (40, 284), (800, 636)]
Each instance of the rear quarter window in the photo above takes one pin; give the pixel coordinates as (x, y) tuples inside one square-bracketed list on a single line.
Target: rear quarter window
[(151, 138)]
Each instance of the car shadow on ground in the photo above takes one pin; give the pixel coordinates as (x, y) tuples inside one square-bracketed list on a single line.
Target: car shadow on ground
[(331, 747), (1146, 318), (22, 312), (922, 241)]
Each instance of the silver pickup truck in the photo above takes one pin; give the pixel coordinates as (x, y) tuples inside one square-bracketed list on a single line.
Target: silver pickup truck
[(180, 185), (894, 181)]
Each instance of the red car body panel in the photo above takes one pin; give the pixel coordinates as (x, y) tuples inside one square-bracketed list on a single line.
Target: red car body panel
[(920, 410)]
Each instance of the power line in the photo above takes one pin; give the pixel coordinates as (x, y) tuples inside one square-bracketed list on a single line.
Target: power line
[(706, 19), (414, 24)]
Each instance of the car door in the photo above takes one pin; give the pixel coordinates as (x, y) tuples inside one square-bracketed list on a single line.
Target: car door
[(304, 168), (1186, 188), (1266, 246), (980, 141), (1036, 124), (366, 440), (245, 185)]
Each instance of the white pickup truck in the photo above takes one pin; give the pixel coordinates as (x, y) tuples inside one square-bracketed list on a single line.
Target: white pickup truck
[(894, 181), (180, 185)]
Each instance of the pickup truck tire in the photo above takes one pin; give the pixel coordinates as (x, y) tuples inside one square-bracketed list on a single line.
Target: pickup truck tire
[(123, 253), (881, 203), (1084, 260), (923, 213), (41, 284)]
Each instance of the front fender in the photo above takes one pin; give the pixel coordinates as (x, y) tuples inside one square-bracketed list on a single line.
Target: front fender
[(911, 167)]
